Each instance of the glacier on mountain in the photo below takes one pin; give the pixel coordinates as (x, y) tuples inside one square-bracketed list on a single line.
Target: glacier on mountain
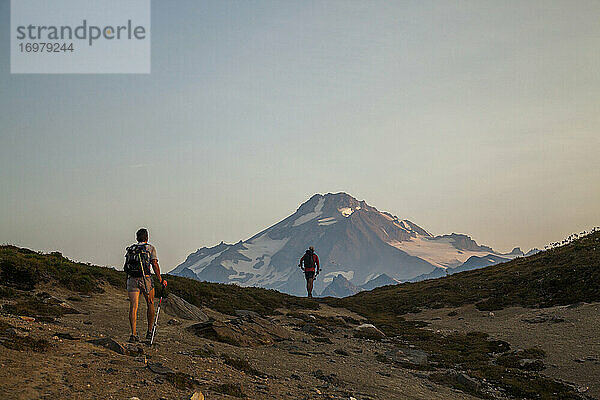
[(355, 243)]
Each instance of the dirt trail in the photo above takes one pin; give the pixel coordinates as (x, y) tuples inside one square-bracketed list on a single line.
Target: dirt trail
[(76, 369)]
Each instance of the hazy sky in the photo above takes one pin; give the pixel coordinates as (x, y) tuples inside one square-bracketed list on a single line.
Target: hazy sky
[(463, 116)]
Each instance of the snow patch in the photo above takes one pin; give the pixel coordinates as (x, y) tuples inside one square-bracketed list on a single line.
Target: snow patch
[(259, 250), (346, 211), (326, 219), (327, 223), (199, 265), (311, 215), (263, 245), (330, 275), (369, 277), (438, 252)]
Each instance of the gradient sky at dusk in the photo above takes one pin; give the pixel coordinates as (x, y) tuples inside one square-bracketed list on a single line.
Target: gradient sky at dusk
[(478, 117)]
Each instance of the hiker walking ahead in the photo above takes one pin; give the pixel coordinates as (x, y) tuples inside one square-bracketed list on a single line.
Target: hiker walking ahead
[(308, 262), (138, 259)]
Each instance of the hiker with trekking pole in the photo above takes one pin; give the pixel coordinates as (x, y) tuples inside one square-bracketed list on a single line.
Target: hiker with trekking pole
[(307, 263), (138, 259)]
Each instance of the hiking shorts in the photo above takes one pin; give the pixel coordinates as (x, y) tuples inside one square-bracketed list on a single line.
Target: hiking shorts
[(309, 275), (137, 284)]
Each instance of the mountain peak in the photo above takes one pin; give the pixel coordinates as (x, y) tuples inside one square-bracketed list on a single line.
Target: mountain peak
[(355, 243), (332, 205), (339, 197), (340, 287)]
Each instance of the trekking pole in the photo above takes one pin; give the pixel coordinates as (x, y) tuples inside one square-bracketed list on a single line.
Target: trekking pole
[(156, 318)]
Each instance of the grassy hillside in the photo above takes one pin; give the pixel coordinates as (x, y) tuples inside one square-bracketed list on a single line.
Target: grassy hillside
[(564, 275), (24, 269)]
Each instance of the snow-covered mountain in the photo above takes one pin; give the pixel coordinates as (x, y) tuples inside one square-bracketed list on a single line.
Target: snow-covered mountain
[(474, 262), (381, 280), (340, 287), (352, 239)]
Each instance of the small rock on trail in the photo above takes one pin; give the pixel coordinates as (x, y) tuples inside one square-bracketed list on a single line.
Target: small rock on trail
[(407, 356), (110, 344), (66, 336), (368, 331), (160, 369)]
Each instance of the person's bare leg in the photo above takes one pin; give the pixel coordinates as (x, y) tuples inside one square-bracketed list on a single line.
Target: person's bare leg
[(150, 309), (309, 286), (133, 306)]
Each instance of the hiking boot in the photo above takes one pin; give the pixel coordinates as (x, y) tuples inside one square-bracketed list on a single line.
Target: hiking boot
[(148, 336), (133, 339)]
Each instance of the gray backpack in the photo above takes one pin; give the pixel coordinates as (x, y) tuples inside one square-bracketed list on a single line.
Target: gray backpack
[(137, 261)]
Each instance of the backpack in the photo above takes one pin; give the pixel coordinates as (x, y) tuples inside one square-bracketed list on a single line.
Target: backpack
[(137, 261), (309, 261)]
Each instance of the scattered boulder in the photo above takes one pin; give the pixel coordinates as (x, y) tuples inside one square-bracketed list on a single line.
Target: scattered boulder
[(181, 381), (134, 350), (455, 378), (530, 364), (177, 307), (312, 330), (341, 352), (368, 331), (160, 369), (46, 298), (329, 378), (109, 343), (407, 356), (249, 331), (66, 336)]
